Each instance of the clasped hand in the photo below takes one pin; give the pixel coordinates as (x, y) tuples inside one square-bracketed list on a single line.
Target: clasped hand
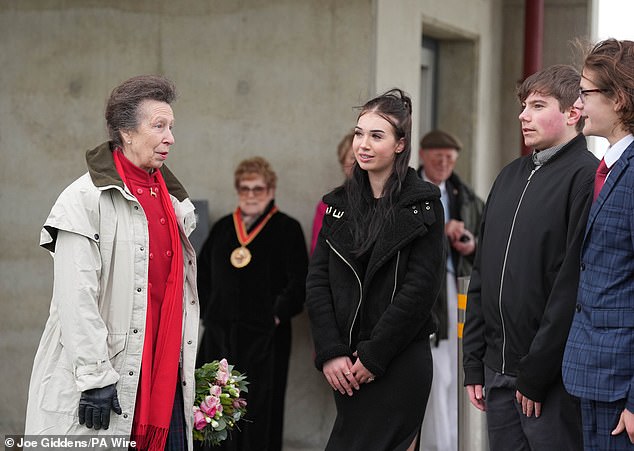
[(343, 375), (95, 405)]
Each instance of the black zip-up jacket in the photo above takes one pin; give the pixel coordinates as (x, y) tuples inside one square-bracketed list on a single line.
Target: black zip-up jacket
[(523, 287), (380, 311), (465, 206)]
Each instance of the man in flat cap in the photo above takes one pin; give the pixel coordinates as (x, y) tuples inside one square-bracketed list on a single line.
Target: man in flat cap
[(438, 154)]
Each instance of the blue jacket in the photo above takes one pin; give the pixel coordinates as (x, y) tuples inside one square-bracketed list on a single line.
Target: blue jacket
[(599, 357)]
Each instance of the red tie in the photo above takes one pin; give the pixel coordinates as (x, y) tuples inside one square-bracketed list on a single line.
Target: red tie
[(599, 178)]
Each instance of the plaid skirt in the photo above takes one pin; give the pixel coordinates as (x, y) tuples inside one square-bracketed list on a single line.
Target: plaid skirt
[(177, 436)]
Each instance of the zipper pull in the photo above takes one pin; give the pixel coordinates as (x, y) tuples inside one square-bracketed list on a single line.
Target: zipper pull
[(531, 174)]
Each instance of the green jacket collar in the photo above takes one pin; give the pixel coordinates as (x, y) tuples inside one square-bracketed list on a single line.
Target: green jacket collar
[(103, 172)]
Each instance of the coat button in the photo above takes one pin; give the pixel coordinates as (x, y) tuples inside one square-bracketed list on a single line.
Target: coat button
[(138, 290), (136, 331), (97, 236), (184, 383), (131, 373), (168, 253), (193, 301), (139, 191), (578, 308), (189, 342), (151, 255), (125, 415), (136, 207), (162, 221), (583, 266)]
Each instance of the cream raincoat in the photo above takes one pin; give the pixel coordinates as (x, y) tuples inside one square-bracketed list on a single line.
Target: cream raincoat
[(97, 233)]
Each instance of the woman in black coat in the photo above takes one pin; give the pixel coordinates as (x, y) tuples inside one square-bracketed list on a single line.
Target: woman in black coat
[(251, 282), (373, 278)]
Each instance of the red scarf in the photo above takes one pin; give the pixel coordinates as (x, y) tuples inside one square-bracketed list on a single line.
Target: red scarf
[(159, 363)]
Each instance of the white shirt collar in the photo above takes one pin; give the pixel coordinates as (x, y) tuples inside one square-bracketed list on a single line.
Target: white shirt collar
[(614, 152), (442, 187)]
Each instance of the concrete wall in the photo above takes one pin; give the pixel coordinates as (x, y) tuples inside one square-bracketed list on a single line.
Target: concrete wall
[(469, 76), (469, 35), (274, 78), (278, 78)]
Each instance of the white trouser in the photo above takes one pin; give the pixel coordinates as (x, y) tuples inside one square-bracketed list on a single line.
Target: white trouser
[(440, 426)]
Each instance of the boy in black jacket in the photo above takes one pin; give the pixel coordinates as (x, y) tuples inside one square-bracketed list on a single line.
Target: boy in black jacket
[(523, 286)]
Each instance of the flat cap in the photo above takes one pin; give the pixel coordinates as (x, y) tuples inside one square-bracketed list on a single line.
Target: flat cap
[(437, 139)]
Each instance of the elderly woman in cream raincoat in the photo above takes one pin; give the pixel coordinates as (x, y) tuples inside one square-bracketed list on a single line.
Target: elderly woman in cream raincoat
[(99, 235)]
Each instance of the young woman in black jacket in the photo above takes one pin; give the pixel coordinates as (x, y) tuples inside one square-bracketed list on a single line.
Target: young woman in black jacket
[(373, 278)]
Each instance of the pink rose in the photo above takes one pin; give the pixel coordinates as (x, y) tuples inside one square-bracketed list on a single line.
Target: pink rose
[(223, 372), (210, 405), (199, 419), (215, 390)]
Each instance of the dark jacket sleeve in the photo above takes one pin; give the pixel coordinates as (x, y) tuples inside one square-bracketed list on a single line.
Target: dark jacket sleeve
[(411, 308), (468, 209), (203, 278), (472, 216), (473, 339), (290, 300), (541, 367), (319, 303)]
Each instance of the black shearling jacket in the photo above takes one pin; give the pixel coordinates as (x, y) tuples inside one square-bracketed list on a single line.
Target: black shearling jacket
[(380, 311)]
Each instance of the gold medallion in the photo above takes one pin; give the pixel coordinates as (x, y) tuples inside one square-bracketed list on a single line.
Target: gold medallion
[(240, 257)]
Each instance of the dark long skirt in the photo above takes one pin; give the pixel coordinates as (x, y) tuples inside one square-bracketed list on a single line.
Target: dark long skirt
[(386, 414)]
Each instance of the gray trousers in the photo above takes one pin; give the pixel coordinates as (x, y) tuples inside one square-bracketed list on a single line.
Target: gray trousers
[(558, 428)]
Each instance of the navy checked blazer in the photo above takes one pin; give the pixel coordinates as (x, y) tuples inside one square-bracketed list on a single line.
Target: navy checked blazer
[(598, 361)]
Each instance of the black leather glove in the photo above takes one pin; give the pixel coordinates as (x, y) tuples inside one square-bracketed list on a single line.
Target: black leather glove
[(95, 405)]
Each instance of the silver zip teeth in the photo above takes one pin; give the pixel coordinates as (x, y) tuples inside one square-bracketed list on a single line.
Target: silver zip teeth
[(506, 253)]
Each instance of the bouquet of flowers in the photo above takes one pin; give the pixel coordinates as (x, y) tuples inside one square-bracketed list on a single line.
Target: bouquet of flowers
[(218, 406)]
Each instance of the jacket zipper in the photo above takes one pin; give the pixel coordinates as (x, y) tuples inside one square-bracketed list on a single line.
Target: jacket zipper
[(398, 257), (356, 313), (506, 253), (360, 291)]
